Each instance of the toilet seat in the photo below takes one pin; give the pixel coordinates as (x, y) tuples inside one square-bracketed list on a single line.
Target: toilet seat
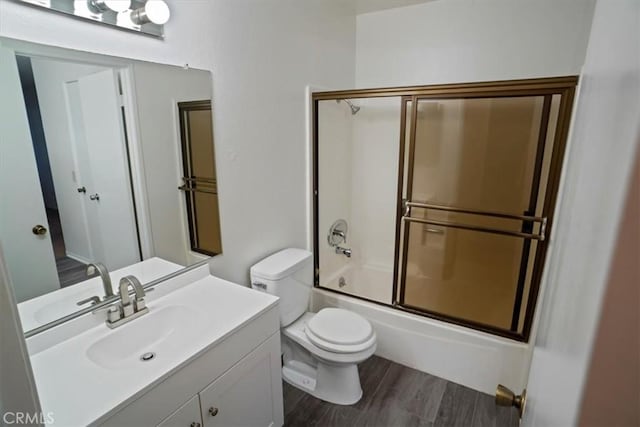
[(356, 354), (340, 331)]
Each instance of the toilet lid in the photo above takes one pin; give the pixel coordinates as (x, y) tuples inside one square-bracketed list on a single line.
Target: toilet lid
[(340, 327)]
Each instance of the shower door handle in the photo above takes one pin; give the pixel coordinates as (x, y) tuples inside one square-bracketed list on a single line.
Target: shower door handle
[(433, 230)]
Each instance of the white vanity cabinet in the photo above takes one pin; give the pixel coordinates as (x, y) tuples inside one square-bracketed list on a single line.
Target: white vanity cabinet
[(188, 415), (242, 396), (235, 383)]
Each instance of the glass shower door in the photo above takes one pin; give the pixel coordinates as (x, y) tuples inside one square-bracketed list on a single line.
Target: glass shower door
[(473, 186)]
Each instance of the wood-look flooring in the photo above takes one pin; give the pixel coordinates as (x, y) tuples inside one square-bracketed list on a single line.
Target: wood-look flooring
[(394, 395), (70, 271)]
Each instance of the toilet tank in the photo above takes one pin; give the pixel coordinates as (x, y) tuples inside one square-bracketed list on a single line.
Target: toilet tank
[(287, 274)]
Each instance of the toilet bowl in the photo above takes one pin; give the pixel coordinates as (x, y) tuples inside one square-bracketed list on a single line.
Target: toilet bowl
[(321, 351)]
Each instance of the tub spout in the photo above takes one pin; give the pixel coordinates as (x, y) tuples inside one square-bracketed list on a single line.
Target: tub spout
[(344, 251)]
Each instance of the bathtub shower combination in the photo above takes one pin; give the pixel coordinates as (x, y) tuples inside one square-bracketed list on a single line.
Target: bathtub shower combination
[(438, 200)]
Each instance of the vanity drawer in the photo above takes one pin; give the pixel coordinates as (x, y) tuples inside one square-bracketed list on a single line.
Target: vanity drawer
[(187, 416)]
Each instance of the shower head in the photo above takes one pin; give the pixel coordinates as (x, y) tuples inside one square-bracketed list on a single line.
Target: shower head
[(354, 108)]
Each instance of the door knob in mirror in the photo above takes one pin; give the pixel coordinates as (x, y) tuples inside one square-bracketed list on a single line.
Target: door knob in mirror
[(82, 189), (39, 230), (94, 197)]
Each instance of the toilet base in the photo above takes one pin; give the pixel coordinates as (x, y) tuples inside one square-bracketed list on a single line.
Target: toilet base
[(339, 384)]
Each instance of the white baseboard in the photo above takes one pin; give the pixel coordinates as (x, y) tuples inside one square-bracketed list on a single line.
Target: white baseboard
[(78, 258)]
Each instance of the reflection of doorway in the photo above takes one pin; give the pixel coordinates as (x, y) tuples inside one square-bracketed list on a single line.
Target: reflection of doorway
[(75, 120), (70, 271)]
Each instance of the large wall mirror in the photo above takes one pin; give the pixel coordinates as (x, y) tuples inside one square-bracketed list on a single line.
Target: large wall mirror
[(107, 167)]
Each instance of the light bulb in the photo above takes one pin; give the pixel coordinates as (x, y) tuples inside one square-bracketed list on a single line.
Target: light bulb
[(106, 5), (155, 11)]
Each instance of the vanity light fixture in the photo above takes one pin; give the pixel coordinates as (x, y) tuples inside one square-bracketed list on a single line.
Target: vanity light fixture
[(141, 16), (153, 11)]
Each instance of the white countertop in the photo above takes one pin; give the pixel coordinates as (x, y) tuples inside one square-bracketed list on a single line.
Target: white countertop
[(78, 391), (48, 307)]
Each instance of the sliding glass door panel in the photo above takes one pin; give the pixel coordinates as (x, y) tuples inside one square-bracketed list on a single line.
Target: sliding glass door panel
[(474, 185), (465, 274), (476, 153)]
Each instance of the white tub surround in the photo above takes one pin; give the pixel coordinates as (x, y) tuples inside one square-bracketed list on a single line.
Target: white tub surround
[(214, 343), (54, 305), (474, 359)]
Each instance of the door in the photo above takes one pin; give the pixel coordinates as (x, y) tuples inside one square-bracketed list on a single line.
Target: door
[(606, 138), (475, 204), (29, 257), (249, 394), (114, 236), (79, 243)]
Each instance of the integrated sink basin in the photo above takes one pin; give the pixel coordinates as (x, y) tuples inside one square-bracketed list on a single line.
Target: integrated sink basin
[(160, 332)]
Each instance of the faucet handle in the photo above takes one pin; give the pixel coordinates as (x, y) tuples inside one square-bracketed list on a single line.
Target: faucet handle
[(139, 304), (93, 300), (114, 312)]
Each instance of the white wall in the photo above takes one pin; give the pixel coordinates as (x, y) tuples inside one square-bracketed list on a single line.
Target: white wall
[(606, 134), (50, 78), (374, 186), (159, 131), (335, 133), (266, 52), (262, 54), (449, 41)]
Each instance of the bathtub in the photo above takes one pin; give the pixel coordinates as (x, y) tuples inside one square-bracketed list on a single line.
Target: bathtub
[(369, 282), (465, 356)]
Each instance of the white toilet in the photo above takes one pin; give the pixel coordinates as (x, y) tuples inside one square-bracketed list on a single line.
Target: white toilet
[(321, 351)]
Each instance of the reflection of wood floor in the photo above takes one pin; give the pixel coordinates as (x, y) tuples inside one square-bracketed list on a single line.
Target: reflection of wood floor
[(70, 271), (394, 395)]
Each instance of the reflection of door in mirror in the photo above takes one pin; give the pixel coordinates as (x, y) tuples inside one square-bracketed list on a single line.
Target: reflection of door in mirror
[(67, 169), (201, 192)]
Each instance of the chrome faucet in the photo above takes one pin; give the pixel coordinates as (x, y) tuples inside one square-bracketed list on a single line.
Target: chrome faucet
[(344, 251), (104, 275), (127, 309), (106, 283)]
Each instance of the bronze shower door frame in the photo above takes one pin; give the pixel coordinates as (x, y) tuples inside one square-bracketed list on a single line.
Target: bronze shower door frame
[(547, 87)]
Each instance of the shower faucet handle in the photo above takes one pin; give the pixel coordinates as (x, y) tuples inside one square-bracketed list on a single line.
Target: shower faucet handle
[(340, 233), (337, 233)]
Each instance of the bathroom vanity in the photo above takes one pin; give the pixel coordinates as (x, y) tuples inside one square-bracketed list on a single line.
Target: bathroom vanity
[(207, 353)]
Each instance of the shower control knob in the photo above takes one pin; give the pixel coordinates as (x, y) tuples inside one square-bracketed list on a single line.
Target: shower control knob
[(213, 411), (94, 197), (82, 190)]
